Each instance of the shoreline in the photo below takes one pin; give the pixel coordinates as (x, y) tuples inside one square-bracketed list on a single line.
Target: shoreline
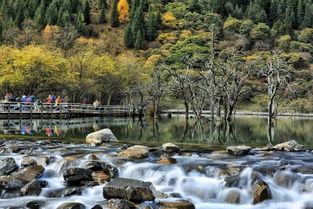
[(239, 113)]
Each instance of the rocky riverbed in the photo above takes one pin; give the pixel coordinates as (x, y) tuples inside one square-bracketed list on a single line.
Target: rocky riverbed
[(51, 175)]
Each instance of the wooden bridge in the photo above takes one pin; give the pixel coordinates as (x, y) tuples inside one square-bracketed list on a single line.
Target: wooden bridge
[(62, 110)]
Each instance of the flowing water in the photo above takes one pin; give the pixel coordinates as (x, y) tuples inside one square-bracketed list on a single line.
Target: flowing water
[(198, 177), (201, 177)]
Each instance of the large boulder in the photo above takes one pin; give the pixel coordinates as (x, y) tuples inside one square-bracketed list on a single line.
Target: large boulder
[(136, 152), (167, 160), (261, 191), (129, 189), (104, 167), (233, 196), (21, 178), (170, 147), (98, 137), (176, 204), (238, 150), (7, 166), (28, 161), (119, 204), (77, 176), (33, 188), (285, 179), (289, 146), (71, 205)]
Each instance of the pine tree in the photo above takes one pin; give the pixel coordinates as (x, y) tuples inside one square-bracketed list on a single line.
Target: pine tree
[(40, 14), (289, 20), (79, 25), (139, 40), (66, 19), (133, 7), (151, 25), (67, 5), (138, 22), (114, 15), (102, 18), (307, 19), (273, 11), (86, 12), (237, 12), (102, 3), (128, 36), (51, 15), (300, 12)]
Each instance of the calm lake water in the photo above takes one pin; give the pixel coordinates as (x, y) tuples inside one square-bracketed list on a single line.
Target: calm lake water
[(245, 130)]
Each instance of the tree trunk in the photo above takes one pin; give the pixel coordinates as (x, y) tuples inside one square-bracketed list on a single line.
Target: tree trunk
[(212, 109), (186, 109)]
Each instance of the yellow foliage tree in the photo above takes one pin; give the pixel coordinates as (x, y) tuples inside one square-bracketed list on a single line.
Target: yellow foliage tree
[(123, 9)]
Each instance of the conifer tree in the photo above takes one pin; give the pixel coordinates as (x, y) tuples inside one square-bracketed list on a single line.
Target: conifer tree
[(66, 19), (151, 25), (289, 19), (114, 15), (51, 15), (138, 21), (307, 19), (102, 3), (139, 40), (86, 12), (79, 25), (102, 18), (40, 14), (128, 36), (133, 7), (195, 6), (300, 12)]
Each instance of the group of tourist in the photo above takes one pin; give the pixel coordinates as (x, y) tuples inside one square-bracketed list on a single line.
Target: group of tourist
[(51, 99)]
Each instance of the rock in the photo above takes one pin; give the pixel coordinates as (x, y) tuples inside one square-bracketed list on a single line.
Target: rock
[(289, 146), (170, 147), (119, 204), (43, 160), (167, 160), (284, 179), (98, 137), (100, 177), (176, 204), (65, 163), (33, 188), (233, 196), (71, 191), (7, 166), (71, 205), (77, 176), (33, 205), (136, 152), (238, 150), (97, 207), (106, 168), (28, 161), (261, 191), (129, 189), (21, 178), (308, 205)]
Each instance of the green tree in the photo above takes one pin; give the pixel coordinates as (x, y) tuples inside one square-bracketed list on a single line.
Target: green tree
[(260, 32), (151, 25), (114, 15), (128, 36), (289, 19), (139, 40), (52, 14), (86, 12), (102, 18), (300, 12), (40, 14), (307, 20)]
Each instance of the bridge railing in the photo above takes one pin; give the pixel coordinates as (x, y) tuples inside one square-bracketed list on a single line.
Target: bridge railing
[(49, 108)]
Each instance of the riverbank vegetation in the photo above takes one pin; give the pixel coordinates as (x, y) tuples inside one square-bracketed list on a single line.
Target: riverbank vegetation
[(197, 54)]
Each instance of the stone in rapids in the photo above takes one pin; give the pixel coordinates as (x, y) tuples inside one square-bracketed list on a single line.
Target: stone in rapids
[(136, 152), (102, 136)]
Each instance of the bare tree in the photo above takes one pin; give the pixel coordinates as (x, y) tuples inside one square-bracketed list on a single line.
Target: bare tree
[(158, 87), (226, 81), (275, 72)]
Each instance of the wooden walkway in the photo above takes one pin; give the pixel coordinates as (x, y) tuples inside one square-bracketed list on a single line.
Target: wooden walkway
[(62, 110)]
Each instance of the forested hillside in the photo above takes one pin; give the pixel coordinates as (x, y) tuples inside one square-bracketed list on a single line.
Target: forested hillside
[(136, 51)]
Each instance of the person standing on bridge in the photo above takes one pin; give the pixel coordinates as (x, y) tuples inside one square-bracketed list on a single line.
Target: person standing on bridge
[(49, 99), (57, 101), (96, 104)]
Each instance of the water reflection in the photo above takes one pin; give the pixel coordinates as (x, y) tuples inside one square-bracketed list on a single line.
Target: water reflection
[(243, 130)]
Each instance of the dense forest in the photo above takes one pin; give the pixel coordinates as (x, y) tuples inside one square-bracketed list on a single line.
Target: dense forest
[(195, 53)]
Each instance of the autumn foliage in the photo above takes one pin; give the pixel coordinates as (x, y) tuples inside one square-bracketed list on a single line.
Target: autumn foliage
[(123, 9)]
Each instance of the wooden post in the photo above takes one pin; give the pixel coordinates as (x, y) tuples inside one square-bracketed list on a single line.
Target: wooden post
[(41, 111), (9, 110), (21, 106), (31, 110), (51, 108)]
